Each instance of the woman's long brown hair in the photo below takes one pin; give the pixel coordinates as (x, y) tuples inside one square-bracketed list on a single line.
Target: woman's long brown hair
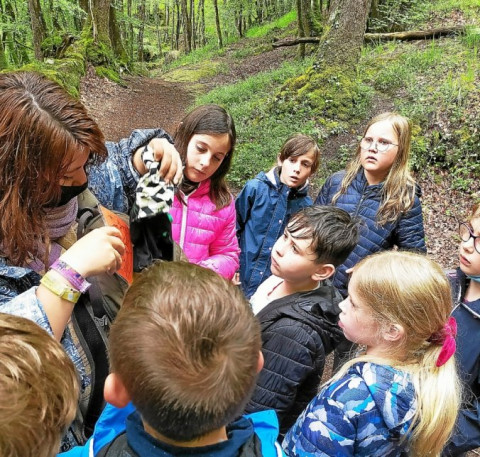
[(41, 130)]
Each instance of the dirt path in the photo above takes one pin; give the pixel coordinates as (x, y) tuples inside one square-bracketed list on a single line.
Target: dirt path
[(143, 103)]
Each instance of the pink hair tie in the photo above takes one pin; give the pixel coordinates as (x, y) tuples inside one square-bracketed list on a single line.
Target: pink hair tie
[(446, 338)]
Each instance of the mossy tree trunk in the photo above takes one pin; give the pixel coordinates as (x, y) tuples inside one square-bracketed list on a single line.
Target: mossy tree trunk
[(343, 40), (217, 24), (38, 27), (141, 29), (329, 85)]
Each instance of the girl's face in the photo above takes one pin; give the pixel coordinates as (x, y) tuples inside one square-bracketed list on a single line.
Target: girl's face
[(469, 257), (205, 153), (377, 164), (357, 321)]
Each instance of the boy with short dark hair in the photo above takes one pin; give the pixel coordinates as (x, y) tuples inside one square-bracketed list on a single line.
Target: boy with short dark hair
[(38, 389), (185, 350), (298, 309), (266, 203)]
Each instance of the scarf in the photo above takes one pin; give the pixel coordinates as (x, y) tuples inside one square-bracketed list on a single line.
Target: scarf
[(61, 231)]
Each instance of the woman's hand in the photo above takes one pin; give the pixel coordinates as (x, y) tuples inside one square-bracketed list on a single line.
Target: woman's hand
[(171, 168), (99, 251)]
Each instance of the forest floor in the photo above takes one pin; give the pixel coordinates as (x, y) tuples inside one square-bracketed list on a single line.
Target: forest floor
[(147, 102)]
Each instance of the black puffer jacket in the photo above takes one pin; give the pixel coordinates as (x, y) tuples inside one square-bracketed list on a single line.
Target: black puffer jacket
[(298, 331)]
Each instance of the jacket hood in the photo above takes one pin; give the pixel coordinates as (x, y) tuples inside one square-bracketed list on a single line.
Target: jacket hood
[(317, 308), (393, 393), (272, 179), (238, 432)]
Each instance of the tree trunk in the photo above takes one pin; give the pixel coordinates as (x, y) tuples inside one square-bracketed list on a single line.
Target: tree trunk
[(301, 28), (193, 37), (217, 24), (158, 20), (100, 14), (130, 29), (141, 29), (187, 31), (38, 27), (116, 36), (342, 43)]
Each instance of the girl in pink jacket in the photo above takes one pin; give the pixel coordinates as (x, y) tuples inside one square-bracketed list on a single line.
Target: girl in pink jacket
[(203, 211)]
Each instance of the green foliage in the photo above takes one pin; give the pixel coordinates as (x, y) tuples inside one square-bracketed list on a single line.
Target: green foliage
[(395, 15), (264, 29)]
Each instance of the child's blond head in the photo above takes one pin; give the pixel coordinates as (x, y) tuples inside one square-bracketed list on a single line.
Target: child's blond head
[(38, 390), (186, 347)]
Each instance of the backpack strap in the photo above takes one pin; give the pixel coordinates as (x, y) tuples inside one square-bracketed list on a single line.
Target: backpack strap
[(86, 317), (118, 447)]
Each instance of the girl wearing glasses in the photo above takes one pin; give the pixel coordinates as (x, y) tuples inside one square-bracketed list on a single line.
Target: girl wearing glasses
[(466, 291), (378, 188)]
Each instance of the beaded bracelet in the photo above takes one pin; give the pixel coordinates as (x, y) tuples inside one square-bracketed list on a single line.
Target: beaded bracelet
[(60, 289), (72, 276)]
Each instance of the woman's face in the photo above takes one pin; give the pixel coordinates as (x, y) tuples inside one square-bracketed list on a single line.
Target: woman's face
[(75, 175), (205, 154), (377, 164)]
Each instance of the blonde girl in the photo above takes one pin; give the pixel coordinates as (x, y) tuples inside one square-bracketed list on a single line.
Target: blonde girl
[(401, 396), (378, 187)]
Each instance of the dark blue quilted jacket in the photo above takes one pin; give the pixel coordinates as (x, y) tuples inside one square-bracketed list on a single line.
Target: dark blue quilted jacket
[(264, 207), (363, 201)]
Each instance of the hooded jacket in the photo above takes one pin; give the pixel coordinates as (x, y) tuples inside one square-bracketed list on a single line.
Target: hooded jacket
[(248, 436), (206, 235), (367, 412), (298, 331), (363, 200), (466, 434), (264, 207)]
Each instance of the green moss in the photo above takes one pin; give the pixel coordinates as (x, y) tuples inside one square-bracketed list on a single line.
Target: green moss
[(106, 72), (194, 73)]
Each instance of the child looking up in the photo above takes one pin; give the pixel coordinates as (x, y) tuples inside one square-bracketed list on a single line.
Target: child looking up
[(298, 309), (401, 396), (266, 203), (378, 187), (38, 389), (466, 293), (185, 350)]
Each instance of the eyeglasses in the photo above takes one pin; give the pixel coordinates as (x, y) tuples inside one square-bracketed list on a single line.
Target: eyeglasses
[(380, 145), (465, 233)]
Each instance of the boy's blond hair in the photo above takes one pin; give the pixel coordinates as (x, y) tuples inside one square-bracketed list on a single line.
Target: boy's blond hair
[(411, 290), (185, 345), (38, 389)]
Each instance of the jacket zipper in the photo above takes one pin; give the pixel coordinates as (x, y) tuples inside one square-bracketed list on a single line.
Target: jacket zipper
[(184, 220)]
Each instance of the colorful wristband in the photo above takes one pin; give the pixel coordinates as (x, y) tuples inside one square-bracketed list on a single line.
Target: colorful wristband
[(60, 289), (72, 276)]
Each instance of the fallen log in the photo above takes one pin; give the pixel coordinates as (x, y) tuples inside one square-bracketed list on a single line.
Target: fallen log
[(373, 37), (415, 34)]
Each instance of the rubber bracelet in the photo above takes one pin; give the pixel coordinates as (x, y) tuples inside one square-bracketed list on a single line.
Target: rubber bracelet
[(60, 289), (71, 275)]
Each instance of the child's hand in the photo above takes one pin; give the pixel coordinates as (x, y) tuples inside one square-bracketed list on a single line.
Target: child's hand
[(171, 168), (236, 279), (100, 251)]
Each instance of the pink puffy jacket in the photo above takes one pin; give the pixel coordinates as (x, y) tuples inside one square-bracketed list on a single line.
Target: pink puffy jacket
[(207, 236)]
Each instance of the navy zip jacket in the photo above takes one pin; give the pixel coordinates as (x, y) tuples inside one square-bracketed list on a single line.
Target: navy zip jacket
[(264, 207), (298, 331), (363, 201), (466, 434)]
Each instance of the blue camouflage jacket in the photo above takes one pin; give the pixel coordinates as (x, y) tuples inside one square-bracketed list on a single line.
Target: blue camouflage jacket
[(365, 413), (363, 201), (264, 207)]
